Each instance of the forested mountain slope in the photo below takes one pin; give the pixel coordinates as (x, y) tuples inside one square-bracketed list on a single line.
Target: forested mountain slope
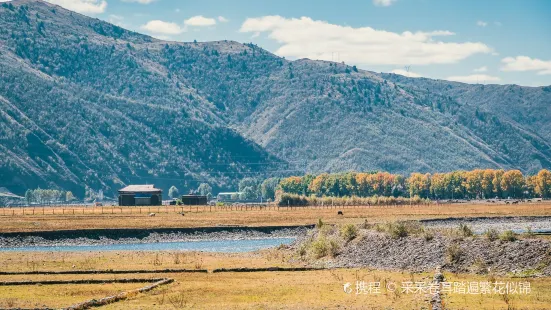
[(82, 108), (86, 103)]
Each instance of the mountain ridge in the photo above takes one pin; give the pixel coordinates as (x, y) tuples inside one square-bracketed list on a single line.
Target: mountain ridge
[(130, 108)]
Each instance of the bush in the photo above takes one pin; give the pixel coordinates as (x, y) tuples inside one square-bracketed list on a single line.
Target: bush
[(508, 235), (319, 224), (349, 232), (454, 253), (334, 247), (428, 235), (492, 234), (398, 230), (465, 230), (320, 247)]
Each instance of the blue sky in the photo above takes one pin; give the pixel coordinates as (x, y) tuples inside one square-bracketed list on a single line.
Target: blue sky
[(499, 41)]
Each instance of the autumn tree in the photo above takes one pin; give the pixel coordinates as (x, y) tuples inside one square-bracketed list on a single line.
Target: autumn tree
[(512, 183), (543, 184), (419, 185)]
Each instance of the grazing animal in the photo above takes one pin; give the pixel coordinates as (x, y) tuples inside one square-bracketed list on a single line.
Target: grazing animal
[(340, 213), (151, 214), (515, 202)]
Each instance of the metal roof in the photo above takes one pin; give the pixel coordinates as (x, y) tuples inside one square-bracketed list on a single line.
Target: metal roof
[(140, 189)]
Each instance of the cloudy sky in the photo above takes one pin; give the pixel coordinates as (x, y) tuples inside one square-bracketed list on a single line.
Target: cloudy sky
[(492, 41)]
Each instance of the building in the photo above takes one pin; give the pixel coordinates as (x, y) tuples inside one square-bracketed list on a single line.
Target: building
[(140, 195), (194, 200)]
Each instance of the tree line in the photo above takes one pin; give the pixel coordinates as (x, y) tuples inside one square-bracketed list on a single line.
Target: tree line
[(47, 196), (474, 184)]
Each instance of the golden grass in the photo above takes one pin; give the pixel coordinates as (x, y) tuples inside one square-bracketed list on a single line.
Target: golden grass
[(538, 298), (321, 289), (127, 260), (54, 219), (56, 296)]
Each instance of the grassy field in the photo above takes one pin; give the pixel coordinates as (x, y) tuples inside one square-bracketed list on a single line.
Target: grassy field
[(57, 296), (321, 289), (19, 220)]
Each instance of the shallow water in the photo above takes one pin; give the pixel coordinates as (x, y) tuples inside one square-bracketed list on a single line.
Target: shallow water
[(223, 246)]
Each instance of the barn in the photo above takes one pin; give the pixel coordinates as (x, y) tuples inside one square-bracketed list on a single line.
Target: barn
[(194, 200), (140, 195)]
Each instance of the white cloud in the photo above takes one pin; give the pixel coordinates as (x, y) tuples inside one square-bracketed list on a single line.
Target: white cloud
[(474, 78), (140, 1), (525, 63), (406, 73), (481, 69), (383, 2), (82, 6), (481, 23), (200, 21), (222, 19), (162, 27), (314, 39)]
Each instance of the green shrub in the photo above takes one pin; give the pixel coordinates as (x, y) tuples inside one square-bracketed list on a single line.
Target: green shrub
[(302, 250), (319, 224), (320, 247), (349, 232), (454, 253), (428, 235), (465, 230), (398, 230), (492, 234), (334, 247), (508, 235)]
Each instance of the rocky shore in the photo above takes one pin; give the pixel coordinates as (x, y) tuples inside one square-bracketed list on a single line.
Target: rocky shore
[(110, 237), (472, 254)]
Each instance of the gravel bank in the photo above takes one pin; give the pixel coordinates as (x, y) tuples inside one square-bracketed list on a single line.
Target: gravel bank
[(479, 255), (481, 224), (149, 236)]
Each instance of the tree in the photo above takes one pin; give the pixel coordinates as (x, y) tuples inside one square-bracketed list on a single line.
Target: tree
[(268, 188), (29, 196), (419, 185), (69, 196), (248, 182), (543, 183), (205, 189), (512, 183), (248, 193), (173, 192)]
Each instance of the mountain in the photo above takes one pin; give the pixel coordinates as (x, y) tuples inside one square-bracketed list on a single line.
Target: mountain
[(81, 105), (87, 103)]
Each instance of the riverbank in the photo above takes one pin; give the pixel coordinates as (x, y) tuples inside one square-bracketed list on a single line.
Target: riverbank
[(412, 247), (105, 237), (482, 224)]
